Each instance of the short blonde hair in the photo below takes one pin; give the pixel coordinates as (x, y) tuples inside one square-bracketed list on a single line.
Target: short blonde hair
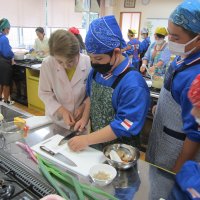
[(63, 43)]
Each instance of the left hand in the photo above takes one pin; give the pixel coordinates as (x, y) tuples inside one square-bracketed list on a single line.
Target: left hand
[(78, 143), (79, 112)]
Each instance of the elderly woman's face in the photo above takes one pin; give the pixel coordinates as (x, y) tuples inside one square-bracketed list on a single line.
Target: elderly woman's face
[(67, 63)]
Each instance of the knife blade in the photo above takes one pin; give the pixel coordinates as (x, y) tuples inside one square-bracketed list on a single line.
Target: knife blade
[(59, 156), (64, 140)]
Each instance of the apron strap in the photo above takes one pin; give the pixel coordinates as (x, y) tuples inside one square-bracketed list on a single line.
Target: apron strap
[(119, 78)]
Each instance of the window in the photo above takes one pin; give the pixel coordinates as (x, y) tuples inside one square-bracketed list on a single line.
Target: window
[(130, 20), (13, 37)]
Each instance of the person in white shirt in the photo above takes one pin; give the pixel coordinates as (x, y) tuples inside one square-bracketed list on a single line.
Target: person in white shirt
[(63, 76), (41, 43)]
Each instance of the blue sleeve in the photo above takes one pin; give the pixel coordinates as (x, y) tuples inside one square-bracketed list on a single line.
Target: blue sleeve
[(165, 56), (131, 112), (189, 177), (142, 47), (147, 55), (5, 48), (130, 51), (190, 127), (89, 83)]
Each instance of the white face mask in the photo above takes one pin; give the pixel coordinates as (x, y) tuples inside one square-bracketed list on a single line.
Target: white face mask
[(197, 120), (159, 42), (179, 49)]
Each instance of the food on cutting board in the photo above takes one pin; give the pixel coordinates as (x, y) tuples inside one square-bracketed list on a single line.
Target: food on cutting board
[(102, 176)]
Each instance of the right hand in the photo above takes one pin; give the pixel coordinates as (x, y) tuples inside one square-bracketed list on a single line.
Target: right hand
[(67, 116), (142, 69)]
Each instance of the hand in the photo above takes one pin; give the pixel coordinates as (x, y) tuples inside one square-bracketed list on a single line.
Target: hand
[(142, 69), (52, 197), (154, 110), (152, 69), (67, 116), (80, 125), (78, 143), (79, 112), (13, 61)]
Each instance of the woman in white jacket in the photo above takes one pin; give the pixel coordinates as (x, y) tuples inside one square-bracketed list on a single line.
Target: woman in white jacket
[(63, 78)]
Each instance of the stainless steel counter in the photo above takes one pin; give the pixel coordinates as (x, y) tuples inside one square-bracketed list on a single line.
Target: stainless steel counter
[(141, 182)]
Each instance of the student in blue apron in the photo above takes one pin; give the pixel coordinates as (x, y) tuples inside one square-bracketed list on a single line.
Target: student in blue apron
[(175, 135), (118, 95), (145, 42), (6, 62), (188, 178), (133, 48)]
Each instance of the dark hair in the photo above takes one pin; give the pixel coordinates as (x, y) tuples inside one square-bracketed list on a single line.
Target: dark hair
[(40, 30), (160, 36), (80, 39)]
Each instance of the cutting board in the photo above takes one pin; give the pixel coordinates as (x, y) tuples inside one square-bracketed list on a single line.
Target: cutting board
[(37, 121), (84, 159)]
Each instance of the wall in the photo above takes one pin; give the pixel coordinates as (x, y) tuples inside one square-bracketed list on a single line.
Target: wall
[(155, 9)]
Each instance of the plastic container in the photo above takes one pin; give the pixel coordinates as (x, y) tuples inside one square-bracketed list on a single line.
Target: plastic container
[(13, 131)]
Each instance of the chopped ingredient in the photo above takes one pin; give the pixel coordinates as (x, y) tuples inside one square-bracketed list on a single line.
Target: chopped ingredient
[(102, 175)]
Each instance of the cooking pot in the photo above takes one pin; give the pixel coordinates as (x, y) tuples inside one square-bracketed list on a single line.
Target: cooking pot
[(19, 56)]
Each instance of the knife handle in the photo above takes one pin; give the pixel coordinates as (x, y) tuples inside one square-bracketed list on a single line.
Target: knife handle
[(47, 150)]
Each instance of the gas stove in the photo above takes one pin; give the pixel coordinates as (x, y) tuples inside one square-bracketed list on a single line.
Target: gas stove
[(17, 182)]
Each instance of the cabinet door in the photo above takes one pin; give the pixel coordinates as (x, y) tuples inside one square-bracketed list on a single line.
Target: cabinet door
[(32, 91)]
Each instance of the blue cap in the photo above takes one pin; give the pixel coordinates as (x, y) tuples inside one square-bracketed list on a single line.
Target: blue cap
[(104, 35), (187, 15)]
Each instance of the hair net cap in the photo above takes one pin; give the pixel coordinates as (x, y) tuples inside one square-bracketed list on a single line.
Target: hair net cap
[(144, 30), (187, 15), (5, 24), (132, 31), (194, 92), (161, 31), (104, 35)]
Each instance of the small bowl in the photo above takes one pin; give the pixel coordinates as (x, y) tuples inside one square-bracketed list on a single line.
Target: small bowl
[(129, 151), (104, 169)]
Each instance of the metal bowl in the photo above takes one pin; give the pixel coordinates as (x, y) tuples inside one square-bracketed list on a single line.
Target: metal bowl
[(128, 150)]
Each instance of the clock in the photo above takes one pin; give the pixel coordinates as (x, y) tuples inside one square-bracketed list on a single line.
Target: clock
[(145, 2)]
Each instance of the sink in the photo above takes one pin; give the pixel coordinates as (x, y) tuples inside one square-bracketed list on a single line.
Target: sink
[(10, 113)]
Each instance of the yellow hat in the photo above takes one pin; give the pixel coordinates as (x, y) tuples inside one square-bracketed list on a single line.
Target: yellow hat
[(161, 30), (132, 31)]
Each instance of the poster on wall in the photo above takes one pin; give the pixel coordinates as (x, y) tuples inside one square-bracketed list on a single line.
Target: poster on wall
[(129, 3)]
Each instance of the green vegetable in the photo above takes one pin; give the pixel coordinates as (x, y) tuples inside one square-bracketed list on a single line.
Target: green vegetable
[(82, 190)]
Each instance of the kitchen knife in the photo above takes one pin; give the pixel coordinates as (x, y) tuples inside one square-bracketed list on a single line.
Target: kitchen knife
[(64, 140), (59, 156)]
